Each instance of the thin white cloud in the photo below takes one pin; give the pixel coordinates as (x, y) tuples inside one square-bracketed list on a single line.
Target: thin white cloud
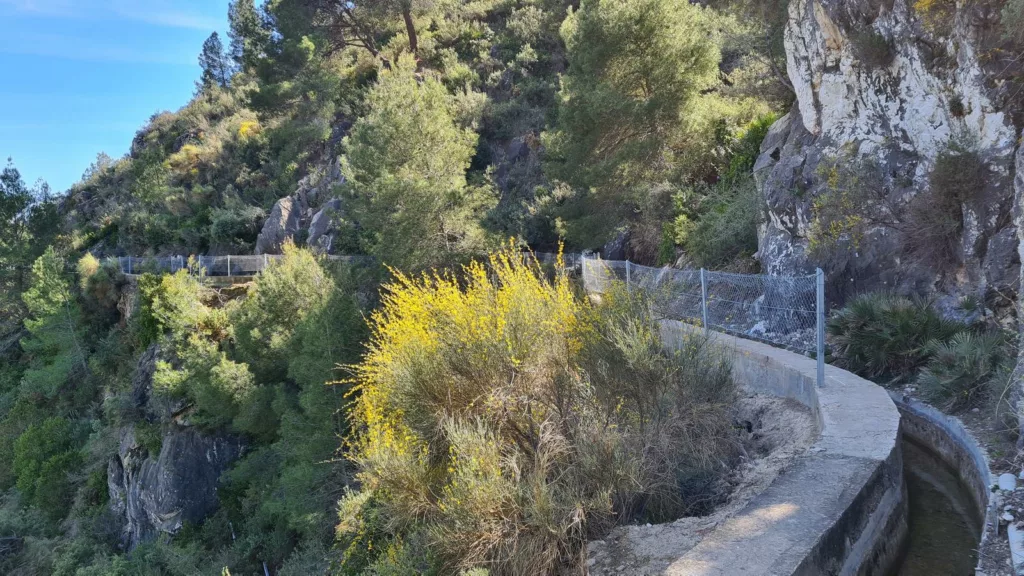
[(58, 8), (72, 48), (155, 12), (165, 14)]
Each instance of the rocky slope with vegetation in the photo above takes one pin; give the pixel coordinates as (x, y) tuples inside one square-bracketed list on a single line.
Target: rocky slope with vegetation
[(364, 419), (895, 167)]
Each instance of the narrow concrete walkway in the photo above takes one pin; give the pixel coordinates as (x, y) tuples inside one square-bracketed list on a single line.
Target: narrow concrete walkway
[(840, 509)]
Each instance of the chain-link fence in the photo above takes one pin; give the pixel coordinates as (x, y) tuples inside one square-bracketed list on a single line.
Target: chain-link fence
[(783, 311), (237, 266)]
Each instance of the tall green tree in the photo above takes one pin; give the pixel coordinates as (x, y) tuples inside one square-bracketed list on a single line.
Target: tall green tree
[(44, 456), (55, 345), (215, 64), (248, 34), (406, 163), (634, 68), (15, 199), (366, 24)]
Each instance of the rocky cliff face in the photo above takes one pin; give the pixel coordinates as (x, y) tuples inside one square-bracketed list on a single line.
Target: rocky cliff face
[(159, 493), (886, 88), (306, 215)]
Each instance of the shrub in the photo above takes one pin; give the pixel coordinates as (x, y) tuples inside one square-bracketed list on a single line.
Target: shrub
[(726, 224), (958, 174), (884, 336), (748, 148), (265, 321), (501, 421), (962, 368), (932, 231), (874, 49), (44, 455), (937, 15), (935, 218), (957, 107), (856, 198), (101, 282), (1013, 20), (236, 225)]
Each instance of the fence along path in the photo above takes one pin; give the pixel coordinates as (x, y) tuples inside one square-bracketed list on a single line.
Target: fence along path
[(784, 311), (232, 266)]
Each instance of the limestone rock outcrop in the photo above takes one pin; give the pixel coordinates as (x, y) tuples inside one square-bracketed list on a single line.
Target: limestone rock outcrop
[(875, 80), (161, 494), (323, 227), (305, 216), (281, 226)]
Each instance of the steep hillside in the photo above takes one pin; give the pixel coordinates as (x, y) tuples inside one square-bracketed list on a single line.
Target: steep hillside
[(154, 424)]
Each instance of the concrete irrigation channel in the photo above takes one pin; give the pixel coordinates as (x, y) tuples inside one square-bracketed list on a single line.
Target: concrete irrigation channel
[(889, 487)]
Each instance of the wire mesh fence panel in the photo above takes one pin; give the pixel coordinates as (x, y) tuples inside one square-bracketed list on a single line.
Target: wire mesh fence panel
[(777, 309), (774, 309), (236, 266)]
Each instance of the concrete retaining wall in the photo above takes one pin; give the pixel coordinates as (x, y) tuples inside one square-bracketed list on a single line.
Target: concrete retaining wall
[(946, 437), (839, 509)]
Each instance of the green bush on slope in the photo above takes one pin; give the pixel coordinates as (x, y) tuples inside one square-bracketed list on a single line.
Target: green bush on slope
[(501, 421), (886, 337)]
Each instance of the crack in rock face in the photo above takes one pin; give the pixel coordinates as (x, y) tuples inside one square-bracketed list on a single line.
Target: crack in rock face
[(899, 112)]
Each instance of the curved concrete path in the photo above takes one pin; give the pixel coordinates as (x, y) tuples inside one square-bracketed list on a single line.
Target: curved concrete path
[(839, 509)]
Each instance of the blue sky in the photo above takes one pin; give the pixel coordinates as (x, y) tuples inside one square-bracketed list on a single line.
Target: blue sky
[(79, 77)]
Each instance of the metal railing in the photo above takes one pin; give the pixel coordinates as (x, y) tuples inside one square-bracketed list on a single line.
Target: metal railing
[(784, 311), (239, 266)]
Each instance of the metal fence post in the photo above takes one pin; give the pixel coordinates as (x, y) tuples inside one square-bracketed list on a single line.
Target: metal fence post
[(129, 265), (820, 277), (627, 277), (229, 265), (704, 299)]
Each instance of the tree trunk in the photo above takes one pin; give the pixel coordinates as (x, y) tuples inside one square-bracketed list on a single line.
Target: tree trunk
[(410, 29)]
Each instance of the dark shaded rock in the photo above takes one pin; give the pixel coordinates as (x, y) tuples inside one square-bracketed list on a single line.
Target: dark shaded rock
[(1002, 260), (152, 493), (146, 405), (616, 248), (322, 229), (282, 225), (179, 486)]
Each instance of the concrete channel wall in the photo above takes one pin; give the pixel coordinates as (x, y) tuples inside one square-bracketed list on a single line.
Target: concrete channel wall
[(946, 437), (840, 509)]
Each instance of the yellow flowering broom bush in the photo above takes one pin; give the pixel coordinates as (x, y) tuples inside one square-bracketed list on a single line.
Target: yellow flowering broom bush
[(494, 428)]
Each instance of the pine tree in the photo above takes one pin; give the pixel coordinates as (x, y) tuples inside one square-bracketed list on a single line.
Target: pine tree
[(635, 66), (215, 65), (406, 166), (247, 34), (27, 219), (55, 343)]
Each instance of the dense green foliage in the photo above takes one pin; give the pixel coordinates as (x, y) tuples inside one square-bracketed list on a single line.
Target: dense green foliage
[(885, 337), (893, 339), (963, 369), (454, 125), (502, 422), (642, 110), (406, 167)]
